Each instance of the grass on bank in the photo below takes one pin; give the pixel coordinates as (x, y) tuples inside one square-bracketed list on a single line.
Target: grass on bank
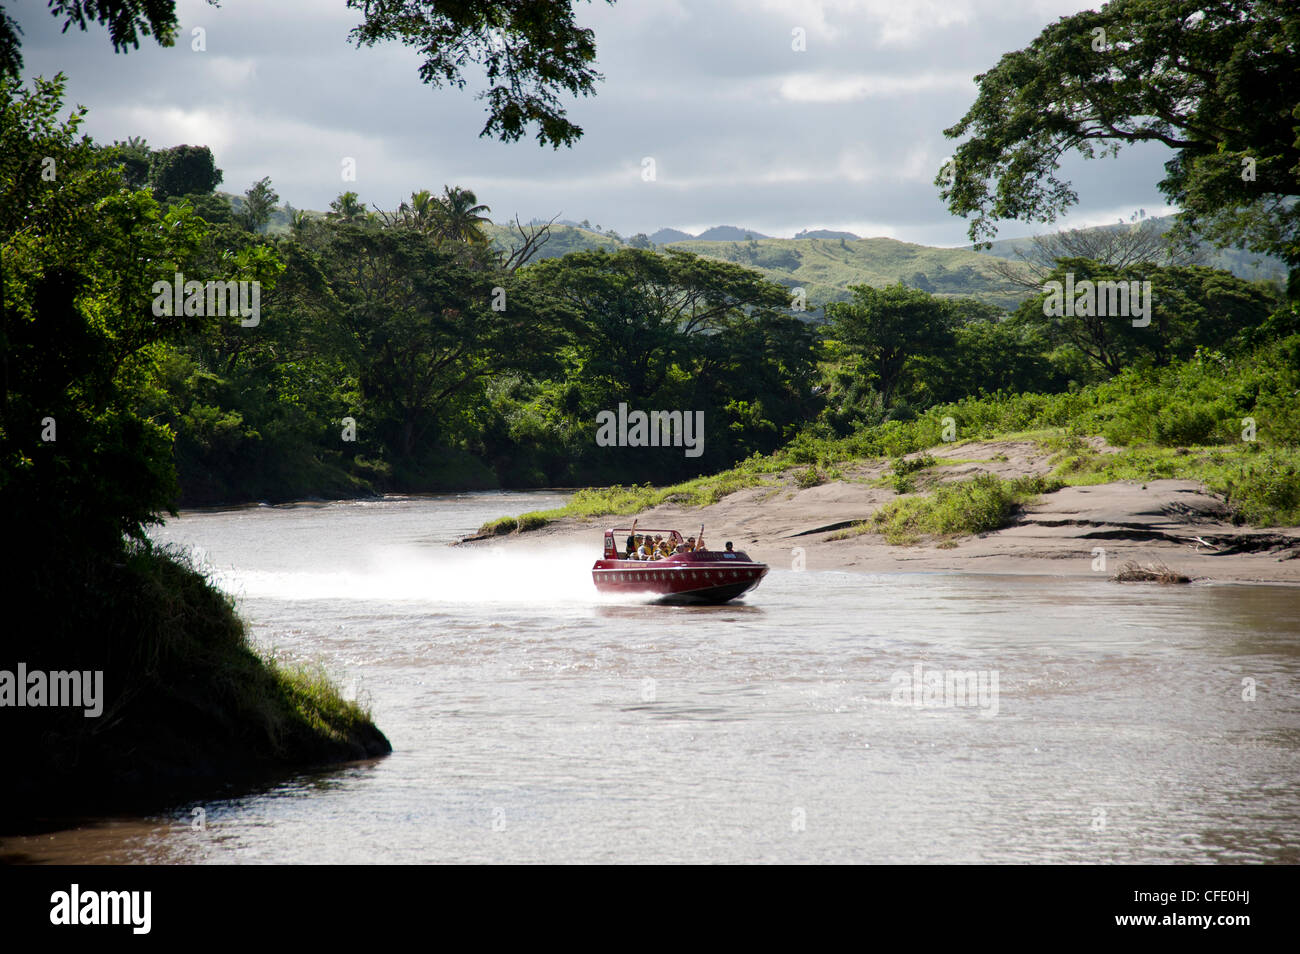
[(1231, 423), (980, 505), (188, 703), (198, 642), (621, 500), (314, 699), (1260, 485)]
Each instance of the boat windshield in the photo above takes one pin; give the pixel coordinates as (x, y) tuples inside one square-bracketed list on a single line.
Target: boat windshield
[(622, 533)]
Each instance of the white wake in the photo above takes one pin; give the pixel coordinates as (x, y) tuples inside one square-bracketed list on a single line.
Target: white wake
[(518, 574)]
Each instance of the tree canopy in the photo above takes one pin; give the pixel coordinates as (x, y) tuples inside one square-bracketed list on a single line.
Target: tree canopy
[(1190, 306), (183, 170), (79, 255), (259, 203), (1214, 80), (885, 328), (531, 51)]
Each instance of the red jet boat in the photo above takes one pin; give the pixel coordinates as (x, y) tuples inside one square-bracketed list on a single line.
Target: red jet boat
[(700, 576)]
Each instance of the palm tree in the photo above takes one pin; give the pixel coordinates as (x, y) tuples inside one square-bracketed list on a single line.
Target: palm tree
[(424, 210), (346, 208), (299, 224), (460, 218)]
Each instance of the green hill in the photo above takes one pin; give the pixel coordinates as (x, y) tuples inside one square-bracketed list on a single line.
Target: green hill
[(1252, 266), (827, 267), (564, 239)]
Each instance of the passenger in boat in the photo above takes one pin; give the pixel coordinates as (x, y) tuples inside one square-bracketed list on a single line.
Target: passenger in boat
[(729, 548), (632, 542), (642, 551), (690, 544), (699, 545), (681, 548)]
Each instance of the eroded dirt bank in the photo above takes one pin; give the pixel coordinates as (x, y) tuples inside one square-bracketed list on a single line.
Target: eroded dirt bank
[(1172, 522)]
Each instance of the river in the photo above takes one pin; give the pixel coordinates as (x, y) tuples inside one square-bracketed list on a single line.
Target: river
[(533, 721)]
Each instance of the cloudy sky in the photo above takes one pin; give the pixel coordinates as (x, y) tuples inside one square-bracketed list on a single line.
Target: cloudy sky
[(743, 129)]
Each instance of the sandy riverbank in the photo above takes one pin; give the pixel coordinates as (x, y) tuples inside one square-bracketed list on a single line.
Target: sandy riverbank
[(1173, 522)]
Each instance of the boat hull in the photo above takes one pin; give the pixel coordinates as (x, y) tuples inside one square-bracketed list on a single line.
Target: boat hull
[(679, 579)]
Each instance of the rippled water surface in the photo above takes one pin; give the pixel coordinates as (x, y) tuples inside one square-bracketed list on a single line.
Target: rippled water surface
[(533, 721)]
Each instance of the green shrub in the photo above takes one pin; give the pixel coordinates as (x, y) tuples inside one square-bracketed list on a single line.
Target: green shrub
[(1188, 424), (809, 477), (979, 505), (1263, 492), (906, 465)]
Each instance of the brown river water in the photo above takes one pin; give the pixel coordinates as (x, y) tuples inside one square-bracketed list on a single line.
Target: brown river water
[(830, 717)]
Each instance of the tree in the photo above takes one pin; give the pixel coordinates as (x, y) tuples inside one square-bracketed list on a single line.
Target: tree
[(757, 371), (79, 258), (425, 328), (259, 203), (883, 330), (85, 466), (454, 217), (346, 208), (1118, 246), (210, 207), (421, 213), (1185, 307), (989, 355), (531, 51), (920, 280), (1215, 82), (251, 408), (641, 311), (674, 330), (299, 224), (458, 219), (11, 59), (134, 154), (531, 238), (183, 170)]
